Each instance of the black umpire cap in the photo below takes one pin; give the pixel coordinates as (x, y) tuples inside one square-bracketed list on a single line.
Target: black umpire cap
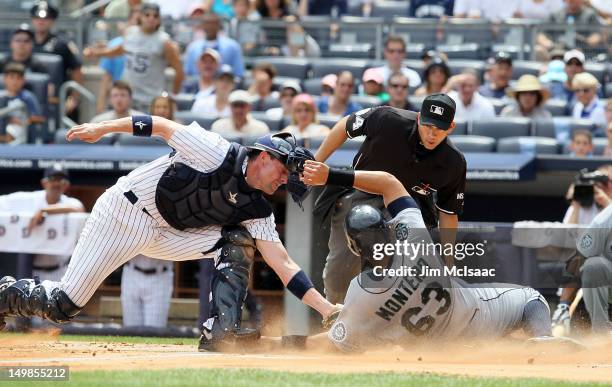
[(56, 169), (44, 10), (438, 110)]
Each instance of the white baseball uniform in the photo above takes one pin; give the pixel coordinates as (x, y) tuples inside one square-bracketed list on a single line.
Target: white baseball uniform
[(412, 307), (117, 230), (146, 291)]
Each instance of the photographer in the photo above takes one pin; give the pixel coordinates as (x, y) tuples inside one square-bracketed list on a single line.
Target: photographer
[(591, 193)]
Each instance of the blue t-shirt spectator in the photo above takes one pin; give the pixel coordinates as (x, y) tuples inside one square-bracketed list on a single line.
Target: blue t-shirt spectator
[(351, 107), (228, 48), (30, 100), (431, 8), (324, 7), (114, 66)]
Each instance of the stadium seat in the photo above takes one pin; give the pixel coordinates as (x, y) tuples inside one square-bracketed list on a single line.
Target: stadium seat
[(473, 143), (60, 138), (500, 127), (187, 117), (531, 144), (556, 107), (268, 103), (287, 67), (461, 128), (274, 125), (390, 9), (129, 140), (54, 65), (456, 65), (608, 90), (598, 70), (37, 83), (322, 67), (498, 104), (467, 30), (560, 128), (328, 120), (312, 86), (522, 67), (184, 101), (357, 50), (599, 144), (366, 101), (462, 51), (416, 101), (416, 32)]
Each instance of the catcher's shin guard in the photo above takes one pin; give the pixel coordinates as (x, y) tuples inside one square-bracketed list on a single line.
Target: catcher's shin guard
[(26, 298), (228, 290)]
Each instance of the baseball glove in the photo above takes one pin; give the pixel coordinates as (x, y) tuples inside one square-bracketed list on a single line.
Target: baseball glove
[(333, 316)]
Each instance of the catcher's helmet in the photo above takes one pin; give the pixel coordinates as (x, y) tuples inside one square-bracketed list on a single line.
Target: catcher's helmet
[(365, 226)]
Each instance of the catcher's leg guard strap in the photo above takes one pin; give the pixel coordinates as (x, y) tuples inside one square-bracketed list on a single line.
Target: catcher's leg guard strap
[(25, 298)]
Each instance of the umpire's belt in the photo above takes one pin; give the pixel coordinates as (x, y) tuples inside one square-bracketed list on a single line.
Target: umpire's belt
[(151, 271), (131, 196)]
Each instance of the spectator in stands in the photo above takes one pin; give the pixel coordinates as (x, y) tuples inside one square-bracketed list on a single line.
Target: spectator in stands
[(163, 106), (243, 26), (18, 121), (436, 9), (555, 78), (288, 91), (22, 44), (223, 8), (574, 64), (574, 13), (120, 9), (340, 104), (588, 104), (299, 43), (43, 18), (395, 53), (120, 101), (537, 9), (113, 67), (492, 10), (436, 75), (149, 50), (304, 118), (208, 65), (373, 84), (333, 8), (603, 8), (240, 123), (398, 92), (261, 88), (275, 9), (529, 97), (328, 84), (582, 144), (228, 48), (470, 104), (217, 104), (608, 149), (500, 73), (583, 213)]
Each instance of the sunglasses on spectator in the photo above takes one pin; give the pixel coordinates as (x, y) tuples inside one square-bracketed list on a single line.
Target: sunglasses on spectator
[(288, 94), (22, 40), (585, 90), (153, 14), (395, 51), (398, 86), (574, 63)]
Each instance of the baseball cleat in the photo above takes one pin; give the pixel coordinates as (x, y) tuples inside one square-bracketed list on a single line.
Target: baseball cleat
[(5, 282), (556, 340)]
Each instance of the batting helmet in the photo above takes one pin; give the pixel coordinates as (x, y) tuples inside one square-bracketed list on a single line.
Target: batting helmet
[(365, 226)]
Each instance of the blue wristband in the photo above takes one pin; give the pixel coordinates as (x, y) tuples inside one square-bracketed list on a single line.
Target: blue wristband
[(300, 284), (142, 126), (400, 204)]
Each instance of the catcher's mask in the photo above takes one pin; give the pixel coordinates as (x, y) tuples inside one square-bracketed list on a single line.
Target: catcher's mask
[(364, 227), (283, 147)]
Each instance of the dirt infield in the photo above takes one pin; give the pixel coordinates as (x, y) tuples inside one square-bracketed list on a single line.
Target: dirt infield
[(499, 359)]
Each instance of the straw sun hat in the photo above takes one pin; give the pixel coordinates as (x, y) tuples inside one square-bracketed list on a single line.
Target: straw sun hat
[(529, 82)]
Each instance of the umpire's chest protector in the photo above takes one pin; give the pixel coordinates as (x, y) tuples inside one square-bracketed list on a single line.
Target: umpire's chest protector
[(186, 197)]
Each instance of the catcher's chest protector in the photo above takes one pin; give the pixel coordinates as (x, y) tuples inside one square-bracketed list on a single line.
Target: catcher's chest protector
[(186, 197)]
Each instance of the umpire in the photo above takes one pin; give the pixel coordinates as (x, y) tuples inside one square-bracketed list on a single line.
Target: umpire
[(414, 148)]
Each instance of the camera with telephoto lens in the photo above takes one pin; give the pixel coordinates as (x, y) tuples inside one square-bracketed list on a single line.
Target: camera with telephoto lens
[(584, 192)]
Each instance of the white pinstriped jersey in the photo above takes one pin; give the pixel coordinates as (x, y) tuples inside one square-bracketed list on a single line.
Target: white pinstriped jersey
[(202, 150)]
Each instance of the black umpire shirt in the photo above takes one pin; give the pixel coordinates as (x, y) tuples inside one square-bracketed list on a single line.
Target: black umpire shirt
[(67, 50), (393, 145)]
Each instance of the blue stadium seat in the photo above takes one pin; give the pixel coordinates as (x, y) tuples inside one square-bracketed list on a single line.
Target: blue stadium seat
[(357, 50), (187, 117), (473, 143), (288, 67), (312, 86), (456, 65), (599, 144), (128, 140), (327, 120), (274, 125), (462, 51), (184, 101), (608, 90), (461, 128), (60, 138), (531, 144), (55, 67), (390, 9), (37, 83), (500, 127), (556, 107), (268, 103), (366, 101), (522, 67), (322, 67), (560, 128), (418, 33), (416, 101)]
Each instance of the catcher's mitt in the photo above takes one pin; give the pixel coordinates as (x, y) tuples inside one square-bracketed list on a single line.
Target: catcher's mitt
[(333, 316)]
